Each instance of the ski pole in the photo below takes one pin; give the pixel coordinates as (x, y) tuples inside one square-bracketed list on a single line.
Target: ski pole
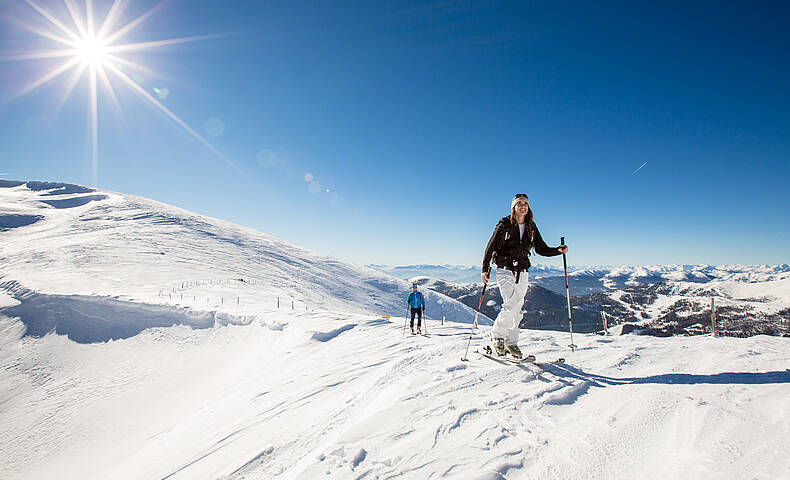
[(474, 325), (567, 294), (405, 321), (424, 329)]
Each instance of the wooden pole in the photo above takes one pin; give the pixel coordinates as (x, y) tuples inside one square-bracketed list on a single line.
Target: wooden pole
[(713, 316)]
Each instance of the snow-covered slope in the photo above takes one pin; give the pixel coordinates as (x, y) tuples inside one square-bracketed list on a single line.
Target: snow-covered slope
[(313, 395), (224, 390), (84, 244)]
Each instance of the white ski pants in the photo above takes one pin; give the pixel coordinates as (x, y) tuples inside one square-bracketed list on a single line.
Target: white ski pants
[(506, 323)]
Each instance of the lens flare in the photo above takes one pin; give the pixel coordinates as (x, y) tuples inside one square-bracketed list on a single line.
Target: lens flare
[(93, 52)]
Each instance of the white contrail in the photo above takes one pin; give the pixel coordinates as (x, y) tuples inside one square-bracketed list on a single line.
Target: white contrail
[(640, 168)]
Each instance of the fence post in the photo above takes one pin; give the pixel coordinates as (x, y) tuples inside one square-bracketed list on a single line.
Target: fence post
[(278, 303), (605, 328), (712, 316), (442, 319)]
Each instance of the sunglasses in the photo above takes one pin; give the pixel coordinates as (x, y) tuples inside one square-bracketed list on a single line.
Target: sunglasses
[(521, 195)]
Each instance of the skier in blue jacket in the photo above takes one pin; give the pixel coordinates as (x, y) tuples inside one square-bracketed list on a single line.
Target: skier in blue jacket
[(417, 303)]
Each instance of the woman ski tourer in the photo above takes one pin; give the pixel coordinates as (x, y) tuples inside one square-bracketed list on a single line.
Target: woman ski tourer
[(513, 238)]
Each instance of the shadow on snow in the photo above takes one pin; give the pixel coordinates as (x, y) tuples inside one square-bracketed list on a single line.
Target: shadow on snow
[(723, 378), (88, 319)]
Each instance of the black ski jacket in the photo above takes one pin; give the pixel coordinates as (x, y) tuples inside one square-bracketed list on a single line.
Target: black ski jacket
[(508, 251)]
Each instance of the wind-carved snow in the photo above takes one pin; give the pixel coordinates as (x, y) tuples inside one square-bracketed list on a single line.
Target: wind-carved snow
[(327, 336), (74, 201), (8, 222), (141, 341)]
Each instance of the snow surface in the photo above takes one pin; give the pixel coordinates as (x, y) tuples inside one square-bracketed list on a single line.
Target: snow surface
[(106, 372)]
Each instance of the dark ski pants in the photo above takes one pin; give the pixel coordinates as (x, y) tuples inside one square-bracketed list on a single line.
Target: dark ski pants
[(418, 311)]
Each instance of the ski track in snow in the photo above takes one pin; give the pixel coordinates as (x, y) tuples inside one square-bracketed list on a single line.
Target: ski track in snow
[(102, 375)]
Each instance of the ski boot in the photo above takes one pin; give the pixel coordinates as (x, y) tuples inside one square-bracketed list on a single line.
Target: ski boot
[(419, 332), (514, 350), (499, 347), (412, 330)]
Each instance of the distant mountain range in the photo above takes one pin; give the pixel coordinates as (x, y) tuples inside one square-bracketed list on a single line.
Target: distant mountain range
[(457, 273), (659, 300)]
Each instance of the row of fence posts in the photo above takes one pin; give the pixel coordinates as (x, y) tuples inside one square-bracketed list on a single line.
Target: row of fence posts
[(293, 305), (222, 299), (194, 297)]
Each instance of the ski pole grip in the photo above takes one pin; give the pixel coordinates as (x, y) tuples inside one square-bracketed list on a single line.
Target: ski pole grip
[(562, 240)]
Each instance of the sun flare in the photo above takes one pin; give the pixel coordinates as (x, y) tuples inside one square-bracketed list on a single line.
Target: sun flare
[(97, 53)]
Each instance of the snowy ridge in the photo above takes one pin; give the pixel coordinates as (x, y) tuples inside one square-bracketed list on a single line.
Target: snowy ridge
[(695, 273), (134, 249)]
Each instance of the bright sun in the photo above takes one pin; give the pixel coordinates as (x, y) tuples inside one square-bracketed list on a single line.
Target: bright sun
[(92, 50)]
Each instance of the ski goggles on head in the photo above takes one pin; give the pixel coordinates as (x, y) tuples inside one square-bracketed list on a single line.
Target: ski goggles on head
[(519, 197)]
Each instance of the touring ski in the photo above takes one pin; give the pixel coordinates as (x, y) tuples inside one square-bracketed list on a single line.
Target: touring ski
[(528, 359)]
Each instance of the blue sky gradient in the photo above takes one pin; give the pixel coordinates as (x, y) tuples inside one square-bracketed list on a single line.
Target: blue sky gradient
[(397, 132)]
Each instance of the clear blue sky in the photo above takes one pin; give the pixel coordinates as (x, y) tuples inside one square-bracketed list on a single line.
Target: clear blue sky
[(414, 123)]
